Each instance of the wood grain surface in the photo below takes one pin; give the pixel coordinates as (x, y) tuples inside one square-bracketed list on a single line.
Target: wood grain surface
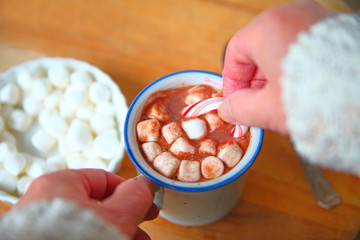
[(136, 42)]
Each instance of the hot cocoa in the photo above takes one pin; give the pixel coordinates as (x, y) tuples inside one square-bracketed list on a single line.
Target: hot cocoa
[(188, 149)]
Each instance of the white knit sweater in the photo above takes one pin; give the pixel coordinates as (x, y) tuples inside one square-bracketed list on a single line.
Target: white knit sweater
[(321, 94), (56, 220)]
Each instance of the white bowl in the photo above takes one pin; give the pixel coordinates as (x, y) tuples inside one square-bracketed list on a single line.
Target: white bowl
[(118, 101)]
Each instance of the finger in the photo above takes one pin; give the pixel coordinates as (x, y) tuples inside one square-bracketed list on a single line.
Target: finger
[(129, 204), (141, 235), (101, 184), (72, 184), (98, 183), (152, 213), (239, 68), (69, 185), (248, 56), (254, 107), (258, 80)]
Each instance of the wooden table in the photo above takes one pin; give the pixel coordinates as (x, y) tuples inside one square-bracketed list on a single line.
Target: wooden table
[(136, 42)]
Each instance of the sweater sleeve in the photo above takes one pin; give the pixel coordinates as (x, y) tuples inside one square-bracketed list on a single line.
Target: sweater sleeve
[(321, 93), (56, 220)]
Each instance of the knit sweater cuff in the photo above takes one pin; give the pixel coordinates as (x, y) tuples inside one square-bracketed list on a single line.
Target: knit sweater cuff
[(58, 219), (321, 93)]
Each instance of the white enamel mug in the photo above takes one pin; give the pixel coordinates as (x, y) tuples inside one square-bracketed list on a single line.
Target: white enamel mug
[(183, 203)]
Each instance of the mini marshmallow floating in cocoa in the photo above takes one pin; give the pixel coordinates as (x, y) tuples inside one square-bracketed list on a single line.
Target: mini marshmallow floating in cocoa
[(211, 105)]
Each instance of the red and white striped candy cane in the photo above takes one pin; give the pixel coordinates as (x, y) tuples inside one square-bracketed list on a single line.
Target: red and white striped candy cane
[(211, 105), (239, 130), (202, 107)]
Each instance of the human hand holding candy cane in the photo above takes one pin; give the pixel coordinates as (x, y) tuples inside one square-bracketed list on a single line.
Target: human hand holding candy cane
[(253, 64), (211, 105)]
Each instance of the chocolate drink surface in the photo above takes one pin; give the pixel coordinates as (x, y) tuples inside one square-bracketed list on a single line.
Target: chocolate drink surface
[(188, 149)]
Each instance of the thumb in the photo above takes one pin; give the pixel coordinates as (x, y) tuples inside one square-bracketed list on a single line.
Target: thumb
[(129, 204), (255, 107)]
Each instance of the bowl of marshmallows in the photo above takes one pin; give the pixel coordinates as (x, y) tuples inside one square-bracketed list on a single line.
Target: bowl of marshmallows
[(57, 113)]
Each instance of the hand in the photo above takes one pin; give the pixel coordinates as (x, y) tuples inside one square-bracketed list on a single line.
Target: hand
[(252, 66), (125, 204)]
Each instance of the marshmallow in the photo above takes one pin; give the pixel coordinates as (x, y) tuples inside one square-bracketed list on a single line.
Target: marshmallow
[(6, 111), (24, 79), (32, 106), (37, 71), (76, 96), (55, 126), (75, 161), (99, 92), (95, 163), (151, 150), (112, 132), (67, 110), (182, 147), (214, 121), (106, 146), (81, 79), (171, 132), (78, 137), (85, 112), (43, 141), (10, 94), (166, 164), (7, 181), (20, 120), (55, 162), (106, 109), (63, 148), (79, 124), (90, 153), (148, 130), (2, 124), (58, 75), (101, 122), (208, 147), (45, 114), (6, 149), (158, 111), (230, 153), (53, 99), (40, 88), (36, 167), (23, 184), (216, 94), (195, 128), (189, 171), (15, 164), (8, 197), (197, 94), (8, 137), (212, 167)]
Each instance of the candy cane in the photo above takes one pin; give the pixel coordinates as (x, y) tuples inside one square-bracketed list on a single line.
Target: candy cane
[(211, 105), (202, 107), (239, 130)]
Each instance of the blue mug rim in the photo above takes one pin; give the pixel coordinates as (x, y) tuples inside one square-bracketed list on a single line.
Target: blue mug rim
[(174, 187)]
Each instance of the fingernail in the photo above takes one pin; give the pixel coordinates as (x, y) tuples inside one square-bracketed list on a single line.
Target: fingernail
[(224, 112)]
